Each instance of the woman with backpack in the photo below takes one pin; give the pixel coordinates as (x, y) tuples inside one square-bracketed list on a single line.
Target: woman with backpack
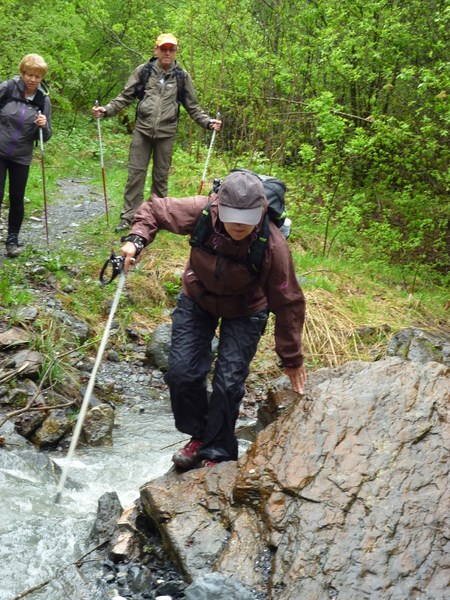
[(222, 291), (24, 107)]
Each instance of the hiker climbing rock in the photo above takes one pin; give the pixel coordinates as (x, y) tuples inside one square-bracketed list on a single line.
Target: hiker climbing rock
[(160, 86), (24, 110), (220, 291)]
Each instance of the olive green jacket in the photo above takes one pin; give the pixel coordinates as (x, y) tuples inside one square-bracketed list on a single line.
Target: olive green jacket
[(157, 113)]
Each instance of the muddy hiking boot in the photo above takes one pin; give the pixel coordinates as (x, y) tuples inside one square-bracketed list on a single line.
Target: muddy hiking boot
[(13, 246), (122, 226), (187, 456)]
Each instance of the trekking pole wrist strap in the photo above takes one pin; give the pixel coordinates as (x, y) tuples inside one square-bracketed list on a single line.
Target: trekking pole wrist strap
[(137, 240)]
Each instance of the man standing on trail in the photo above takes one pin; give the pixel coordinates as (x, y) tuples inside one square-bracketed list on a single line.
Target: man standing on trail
[(160, 86), (220, 291)]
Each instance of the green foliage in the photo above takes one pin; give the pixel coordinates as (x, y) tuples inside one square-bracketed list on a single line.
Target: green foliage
[(350, 100), (52, 344)]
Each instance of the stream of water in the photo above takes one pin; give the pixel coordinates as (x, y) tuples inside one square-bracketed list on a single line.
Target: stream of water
[(37, 536)]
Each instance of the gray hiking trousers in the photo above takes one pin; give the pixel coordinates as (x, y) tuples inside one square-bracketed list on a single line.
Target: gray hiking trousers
[(212, 419), (142, 149)]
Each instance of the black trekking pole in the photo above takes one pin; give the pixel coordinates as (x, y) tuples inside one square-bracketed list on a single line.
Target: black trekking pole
[(208, 156), (102, 165), (115, 264), (41, 141)]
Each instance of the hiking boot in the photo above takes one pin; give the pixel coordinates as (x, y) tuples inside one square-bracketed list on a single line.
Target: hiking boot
[(187, 457), (12, 245), (122, 226)]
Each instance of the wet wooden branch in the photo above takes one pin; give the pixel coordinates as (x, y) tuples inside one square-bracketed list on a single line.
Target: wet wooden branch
[(12, 374), (28, 407), (33, 589)]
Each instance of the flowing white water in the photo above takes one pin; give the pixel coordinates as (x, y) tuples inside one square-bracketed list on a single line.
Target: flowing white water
[(37, 536)]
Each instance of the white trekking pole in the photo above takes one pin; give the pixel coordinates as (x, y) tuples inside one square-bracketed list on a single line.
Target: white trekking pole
[(208, 156), (117, 269)]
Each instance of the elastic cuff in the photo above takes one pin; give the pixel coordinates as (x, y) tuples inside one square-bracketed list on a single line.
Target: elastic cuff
[(291, 364)]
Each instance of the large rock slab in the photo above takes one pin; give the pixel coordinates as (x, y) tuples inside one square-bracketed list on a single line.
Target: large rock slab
[(345, 495)]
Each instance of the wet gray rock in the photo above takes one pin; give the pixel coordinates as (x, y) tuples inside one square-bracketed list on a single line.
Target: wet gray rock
[(15, 336), (158, 348), (109, 510), (98, 425), (20, 393), (347, 490), (420, 345), (113, 356), (137, 564), (27, 423), (55, 427), (279, 397), (77, 328), (28, 362), (25, 313), (128, 540), (214, 586)]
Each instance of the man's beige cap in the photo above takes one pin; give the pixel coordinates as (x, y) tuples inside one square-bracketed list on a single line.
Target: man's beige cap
[(166, 38)]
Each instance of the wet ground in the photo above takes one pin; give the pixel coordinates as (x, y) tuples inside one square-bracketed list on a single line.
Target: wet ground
[(78, 203)]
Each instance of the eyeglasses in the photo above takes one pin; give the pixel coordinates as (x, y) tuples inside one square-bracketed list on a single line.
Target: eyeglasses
[(168, 48)]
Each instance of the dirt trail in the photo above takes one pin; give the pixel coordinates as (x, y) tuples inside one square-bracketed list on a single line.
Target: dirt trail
[(77, 203)]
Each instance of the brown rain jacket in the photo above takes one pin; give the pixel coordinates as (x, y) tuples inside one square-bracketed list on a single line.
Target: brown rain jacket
[(226, 288)]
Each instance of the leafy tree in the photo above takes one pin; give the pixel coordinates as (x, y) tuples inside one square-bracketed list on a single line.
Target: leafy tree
[(349, 97)]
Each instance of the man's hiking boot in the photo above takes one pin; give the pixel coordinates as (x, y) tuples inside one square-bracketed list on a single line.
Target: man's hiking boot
[(122, 226), (12, 244), (187, 457)]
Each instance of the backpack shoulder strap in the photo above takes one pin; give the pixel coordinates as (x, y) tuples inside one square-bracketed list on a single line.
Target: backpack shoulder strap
[(180, 74), (258, 247), (203, 228), (8, 95), (144, 75), (38, 100)]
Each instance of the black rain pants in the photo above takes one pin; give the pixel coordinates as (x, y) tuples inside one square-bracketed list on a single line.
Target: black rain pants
[(212, 419), (18, 177)]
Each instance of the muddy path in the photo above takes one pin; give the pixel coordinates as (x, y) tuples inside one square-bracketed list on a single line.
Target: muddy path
[(77, 203)]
